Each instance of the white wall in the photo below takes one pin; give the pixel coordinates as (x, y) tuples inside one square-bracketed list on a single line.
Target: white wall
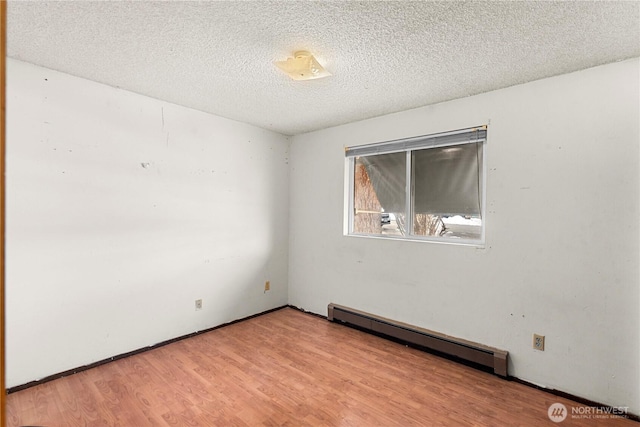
[(562, 250), (105, 256)]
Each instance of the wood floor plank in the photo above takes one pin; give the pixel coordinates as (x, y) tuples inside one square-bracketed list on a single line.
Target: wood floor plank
[(285, 368)]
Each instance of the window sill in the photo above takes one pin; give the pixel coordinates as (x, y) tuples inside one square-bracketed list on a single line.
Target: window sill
[(442, 241)]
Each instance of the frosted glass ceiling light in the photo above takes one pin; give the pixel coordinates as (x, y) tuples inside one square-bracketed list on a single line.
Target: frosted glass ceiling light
[(303, 66)]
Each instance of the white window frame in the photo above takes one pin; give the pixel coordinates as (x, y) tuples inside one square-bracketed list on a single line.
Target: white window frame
[(463, 136)]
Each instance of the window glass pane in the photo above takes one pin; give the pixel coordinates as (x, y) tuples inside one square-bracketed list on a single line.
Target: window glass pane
[(447, 191), (379, 194)]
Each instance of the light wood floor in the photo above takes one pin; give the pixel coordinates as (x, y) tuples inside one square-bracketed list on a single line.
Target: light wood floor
[(286, 368)]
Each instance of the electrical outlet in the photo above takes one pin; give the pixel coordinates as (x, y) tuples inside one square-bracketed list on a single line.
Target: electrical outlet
[(538, 342), (198, 304), (267, 286)]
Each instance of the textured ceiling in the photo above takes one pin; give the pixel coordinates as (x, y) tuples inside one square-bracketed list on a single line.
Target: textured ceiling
[(384, 56)]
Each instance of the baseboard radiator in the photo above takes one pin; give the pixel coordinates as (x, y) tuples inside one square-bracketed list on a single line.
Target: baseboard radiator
[(462, 349)]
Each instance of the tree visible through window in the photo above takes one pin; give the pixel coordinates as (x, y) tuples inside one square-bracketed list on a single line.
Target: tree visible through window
[(368, 210), (436, 181)]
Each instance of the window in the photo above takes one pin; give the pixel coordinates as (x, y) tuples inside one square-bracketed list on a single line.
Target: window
[(424, 188)]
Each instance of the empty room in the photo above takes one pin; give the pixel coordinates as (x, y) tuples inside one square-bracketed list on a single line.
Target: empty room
[(320, 213)]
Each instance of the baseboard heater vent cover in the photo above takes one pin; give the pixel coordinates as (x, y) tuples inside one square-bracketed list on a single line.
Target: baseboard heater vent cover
[(465, 350)]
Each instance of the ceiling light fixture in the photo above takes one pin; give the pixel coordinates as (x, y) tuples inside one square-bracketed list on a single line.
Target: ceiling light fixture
[(303, 66)]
